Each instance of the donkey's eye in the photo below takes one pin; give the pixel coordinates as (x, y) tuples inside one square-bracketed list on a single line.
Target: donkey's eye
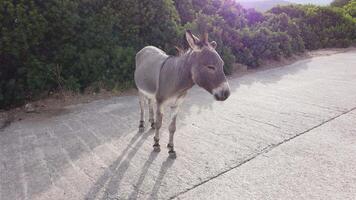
[(211, 67)]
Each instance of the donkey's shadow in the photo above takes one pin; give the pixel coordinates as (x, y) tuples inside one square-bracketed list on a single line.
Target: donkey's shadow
[(113, 175), (143, 174), (162, 172)]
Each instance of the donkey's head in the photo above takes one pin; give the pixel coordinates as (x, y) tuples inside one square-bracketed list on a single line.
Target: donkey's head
[(207, 66)]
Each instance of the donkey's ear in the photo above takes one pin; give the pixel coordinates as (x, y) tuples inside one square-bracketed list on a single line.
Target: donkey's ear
[(191, 39), (213, 44), (205, 38)]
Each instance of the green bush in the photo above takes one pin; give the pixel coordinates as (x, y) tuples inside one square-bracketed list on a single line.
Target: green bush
[(321, 27), (350, 9), (22, 29), (74, 44), (339, 3)]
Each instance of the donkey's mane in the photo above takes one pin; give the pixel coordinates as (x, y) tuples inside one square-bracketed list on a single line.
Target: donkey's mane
[(182, 51)]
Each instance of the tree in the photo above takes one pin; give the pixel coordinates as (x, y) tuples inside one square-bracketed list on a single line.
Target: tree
[(185, 10), (350, 9), (75, 44), (282, 23), (339, 3), (254, 17), (22, 29)]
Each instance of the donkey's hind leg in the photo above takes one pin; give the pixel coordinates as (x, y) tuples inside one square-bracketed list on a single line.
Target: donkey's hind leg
[(151, 113), (142, 116)]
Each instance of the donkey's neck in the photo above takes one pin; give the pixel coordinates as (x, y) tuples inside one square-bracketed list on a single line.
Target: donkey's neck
[(184, 71), (175, 77)]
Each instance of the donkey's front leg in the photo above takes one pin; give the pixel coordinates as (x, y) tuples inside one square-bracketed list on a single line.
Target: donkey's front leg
[(158, 125), (142, 114), (172, 130)]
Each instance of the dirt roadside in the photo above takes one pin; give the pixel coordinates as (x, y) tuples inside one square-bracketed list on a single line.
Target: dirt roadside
[(56, 103)]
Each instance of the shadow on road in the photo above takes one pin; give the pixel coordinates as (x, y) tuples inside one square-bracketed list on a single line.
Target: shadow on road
[(162, 172), (112, 177), (116, 171), (142, 175)]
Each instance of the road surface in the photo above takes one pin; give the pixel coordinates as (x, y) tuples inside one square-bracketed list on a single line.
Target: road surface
[(285, 133)]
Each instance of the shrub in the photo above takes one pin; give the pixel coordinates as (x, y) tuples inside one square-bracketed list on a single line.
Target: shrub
[(75, 44), (350, 9)]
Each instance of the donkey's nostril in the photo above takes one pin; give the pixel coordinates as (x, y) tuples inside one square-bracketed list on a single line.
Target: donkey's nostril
[(226, 94), (222, 92), (216, 96), (222, 95)]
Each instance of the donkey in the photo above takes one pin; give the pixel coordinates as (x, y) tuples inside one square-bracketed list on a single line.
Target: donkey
[(165, 80)]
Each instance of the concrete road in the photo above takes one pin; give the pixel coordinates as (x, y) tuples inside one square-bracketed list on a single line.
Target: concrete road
[(285, 133)]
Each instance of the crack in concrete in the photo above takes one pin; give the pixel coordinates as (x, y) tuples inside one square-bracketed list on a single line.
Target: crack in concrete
[(262, 122), (267, 149)]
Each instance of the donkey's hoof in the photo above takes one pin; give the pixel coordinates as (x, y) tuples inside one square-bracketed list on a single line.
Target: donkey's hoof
[(156, 148), (141, 128), (153, 125), (172, 154), (170, 147)]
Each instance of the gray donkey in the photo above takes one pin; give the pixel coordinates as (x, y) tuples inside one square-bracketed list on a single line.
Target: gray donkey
[(165, 80)]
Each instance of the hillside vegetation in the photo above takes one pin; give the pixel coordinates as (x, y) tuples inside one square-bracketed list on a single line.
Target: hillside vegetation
[(262, 5), (75, 44)]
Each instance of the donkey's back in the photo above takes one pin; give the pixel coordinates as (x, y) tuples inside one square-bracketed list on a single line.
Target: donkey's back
[(148, 66)]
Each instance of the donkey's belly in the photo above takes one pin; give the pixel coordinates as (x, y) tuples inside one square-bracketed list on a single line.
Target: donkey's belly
[(148, 94), (146, 84), (148, 65), (146, 81)]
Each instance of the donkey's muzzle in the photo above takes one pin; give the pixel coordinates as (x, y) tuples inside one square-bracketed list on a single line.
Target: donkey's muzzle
[(222, 96), (222, 92)]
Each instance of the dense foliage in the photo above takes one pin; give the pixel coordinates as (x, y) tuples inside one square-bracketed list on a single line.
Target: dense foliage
[(350, 9), (339, 3), (76, 44), (321, 27)]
